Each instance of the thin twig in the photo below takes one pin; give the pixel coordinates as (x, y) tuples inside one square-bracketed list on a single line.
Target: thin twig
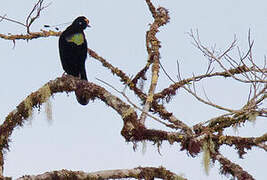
[(11, 20), (207, 102), (165, 72), (130, 102)]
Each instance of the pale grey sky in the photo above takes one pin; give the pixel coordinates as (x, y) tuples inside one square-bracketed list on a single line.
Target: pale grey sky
[(88, 138)]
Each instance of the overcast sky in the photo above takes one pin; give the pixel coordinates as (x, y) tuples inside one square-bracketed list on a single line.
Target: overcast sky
[(88, 137)]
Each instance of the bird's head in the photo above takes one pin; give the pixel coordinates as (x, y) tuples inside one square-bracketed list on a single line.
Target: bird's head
[(81, 22)]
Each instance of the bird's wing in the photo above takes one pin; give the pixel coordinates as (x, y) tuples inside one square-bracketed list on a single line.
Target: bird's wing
[(77, 38)]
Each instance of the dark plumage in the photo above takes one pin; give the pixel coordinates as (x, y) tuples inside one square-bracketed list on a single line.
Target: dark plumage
[(73, 51)]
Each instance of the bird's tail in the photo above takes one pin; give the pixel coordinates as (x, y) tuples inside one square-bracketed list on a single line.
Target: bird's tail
[(81, 98), (83, 74), (80, 95)]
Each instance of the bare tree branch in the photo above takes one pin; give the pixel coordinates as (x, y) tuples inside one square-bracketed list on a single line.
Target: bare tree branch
[(38, 7), (206, 102), (11, 20), (170, 91)]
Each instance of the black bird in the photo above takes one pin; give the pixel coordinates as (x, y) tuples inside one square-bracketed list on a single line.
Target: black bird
[(73, 51)]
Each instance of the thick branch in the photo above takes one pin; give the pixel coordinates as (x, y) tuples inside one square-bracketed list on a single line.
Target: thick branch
[(161, 17), (222, 122), (32, 35), (124, 78), (146, 173), (228, 167), (157, 108), (132, 130), (1, 164), (242, 143), (154, 81), (64, 84), (151, 8), (142, 73)]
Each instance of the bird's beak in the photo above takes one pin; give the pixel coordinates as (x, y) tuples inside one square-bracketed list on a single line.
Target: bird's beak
[(87, 22)]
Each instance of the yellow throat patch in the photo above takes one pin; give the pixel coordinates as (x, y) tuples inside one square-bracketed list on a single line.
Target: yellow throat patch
[(78, 38)]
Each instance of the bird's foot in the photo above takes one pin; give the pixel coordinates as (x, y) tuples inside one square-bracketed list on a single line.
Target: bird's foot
[(64, 74)]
